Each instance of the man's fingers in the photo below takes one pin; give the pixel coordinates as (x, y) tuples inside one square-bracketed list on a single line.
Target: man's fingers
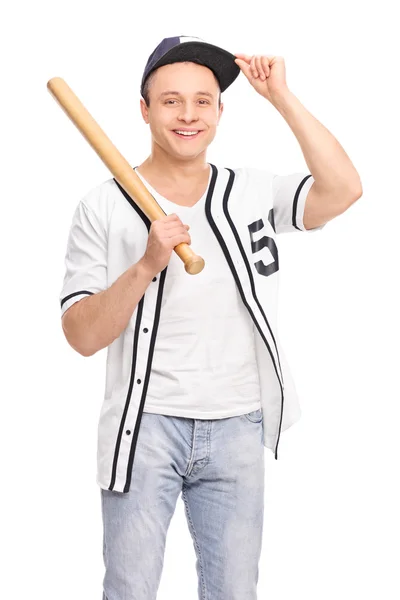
[(173, 224), (245, 68), (244, 57), (253, 67)]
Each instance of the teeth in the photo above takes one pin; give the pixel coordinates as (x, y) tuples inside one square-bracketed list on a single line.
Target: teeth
[(187, 132)]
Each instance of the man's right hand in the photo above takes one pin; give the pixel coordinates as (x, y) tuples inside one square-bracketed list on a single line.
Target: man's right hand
[(164, 235)]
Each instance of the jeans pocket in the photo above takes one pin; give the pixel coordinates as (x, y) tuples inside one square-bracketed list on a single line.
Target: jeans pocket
[(255, 416)]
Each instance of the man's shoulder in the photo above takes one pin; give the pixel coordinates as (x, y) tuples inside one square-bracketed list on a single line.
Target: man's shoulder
[(101, 198)]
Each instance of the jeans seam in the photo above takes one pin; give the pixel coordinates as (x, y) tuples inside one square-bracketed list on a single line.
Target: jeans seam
[(204, 590), (190, 465), (104, 539)]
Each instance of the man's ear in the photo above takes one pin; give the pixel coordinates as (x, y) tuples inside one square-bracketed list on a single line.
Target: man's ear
[(221, 109), (144, 110)]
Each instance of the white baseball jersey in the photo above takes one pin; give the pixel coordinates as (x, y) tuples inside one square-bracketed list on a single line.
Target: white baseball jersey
[(246, 208)]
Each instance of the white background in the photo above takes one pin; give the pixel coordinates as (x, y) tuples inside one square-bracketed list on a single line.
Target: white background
[(331, 526)]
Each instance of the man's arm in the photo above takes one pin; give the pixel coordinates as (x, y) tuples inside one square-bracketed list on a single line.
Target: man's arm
[(96, 321), (337, 184)]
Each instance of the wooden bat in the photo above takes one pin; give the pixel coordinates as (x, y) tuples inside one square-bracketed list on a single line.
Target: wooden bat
[(117, 164)]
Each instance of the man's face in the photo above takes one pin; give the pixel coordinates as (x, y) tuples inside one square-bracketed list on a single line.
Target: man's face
[(183, 96)]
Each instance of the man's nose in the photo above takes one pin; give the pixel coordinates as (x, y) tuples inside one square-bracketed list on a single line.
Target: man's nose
[(188, 112)]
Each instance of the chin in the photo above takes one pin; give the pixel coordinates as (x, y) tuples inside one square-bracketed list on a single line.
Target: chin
[(189, 152)]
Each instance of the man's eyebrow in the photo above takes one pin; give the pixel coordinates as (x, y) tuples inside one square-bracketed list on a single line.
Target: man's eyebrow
[(178, 93)]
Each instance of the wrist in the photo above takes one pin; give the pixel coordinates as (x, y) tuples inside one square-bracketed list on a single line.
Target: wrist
[(283, 101), (145, 269)]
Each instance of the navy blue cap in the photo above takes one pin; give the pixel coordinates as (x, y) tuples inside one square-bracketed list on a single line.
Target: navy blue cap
[(193, 49)]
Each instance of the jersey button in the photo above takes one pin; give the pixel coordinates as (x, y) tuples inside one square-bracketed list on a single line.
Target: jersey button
[(145, 330), (139, 381), (154, 279), (128, 432)]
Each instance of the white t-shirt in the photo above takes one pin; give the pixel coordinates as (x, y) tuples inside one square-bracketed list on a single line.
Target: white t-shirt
[(204, 364)]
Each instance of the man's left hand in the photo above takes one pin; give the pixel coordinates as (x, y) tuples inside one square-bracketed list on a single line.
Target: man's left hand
[(267, 74)]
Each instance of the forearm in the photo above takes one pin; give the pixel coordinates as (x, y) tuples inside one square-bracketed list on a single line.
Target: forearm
[(327, 161), (95, 322)]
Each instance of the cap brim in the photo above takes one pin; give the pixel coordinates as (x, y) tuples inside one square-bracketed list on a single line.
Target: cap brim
[(220, 61)]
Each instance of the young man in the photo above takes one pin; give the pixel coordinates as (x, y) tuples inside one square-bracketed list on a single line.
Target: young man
[(197, 383)]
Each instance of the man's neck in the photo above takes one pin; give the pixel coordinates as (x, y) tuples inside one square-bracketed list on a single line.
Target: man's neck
[(174, 172)]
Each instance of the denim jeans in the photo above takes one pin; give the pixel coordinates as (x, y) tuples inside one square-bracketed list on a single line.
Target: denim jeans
[(218, 465)]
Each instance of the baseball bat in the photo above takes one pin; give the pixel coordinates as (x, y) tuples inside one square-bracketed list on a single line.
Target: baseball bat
[(117, 164)]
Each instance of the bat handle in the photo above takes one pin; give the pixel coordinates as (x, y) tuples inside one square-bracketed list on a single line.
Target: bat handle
[(193, 263)]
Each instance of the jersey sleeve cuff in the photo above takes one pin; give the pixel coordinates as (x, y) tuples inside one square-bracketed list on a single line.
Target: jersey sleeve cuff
[(68, 301), (299, 204)]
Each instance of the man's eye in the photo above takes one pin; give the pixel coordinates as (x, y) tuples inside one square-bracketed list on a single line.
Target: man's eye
[(168, 101)]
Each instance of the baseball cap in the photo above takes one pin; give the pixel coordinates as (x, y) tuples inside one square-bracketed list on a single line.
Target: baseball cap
[(193, 49)]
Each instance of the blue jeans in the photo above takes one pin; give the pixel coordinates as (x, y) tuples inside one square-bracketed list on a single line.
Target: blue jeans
[(218, 465)]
